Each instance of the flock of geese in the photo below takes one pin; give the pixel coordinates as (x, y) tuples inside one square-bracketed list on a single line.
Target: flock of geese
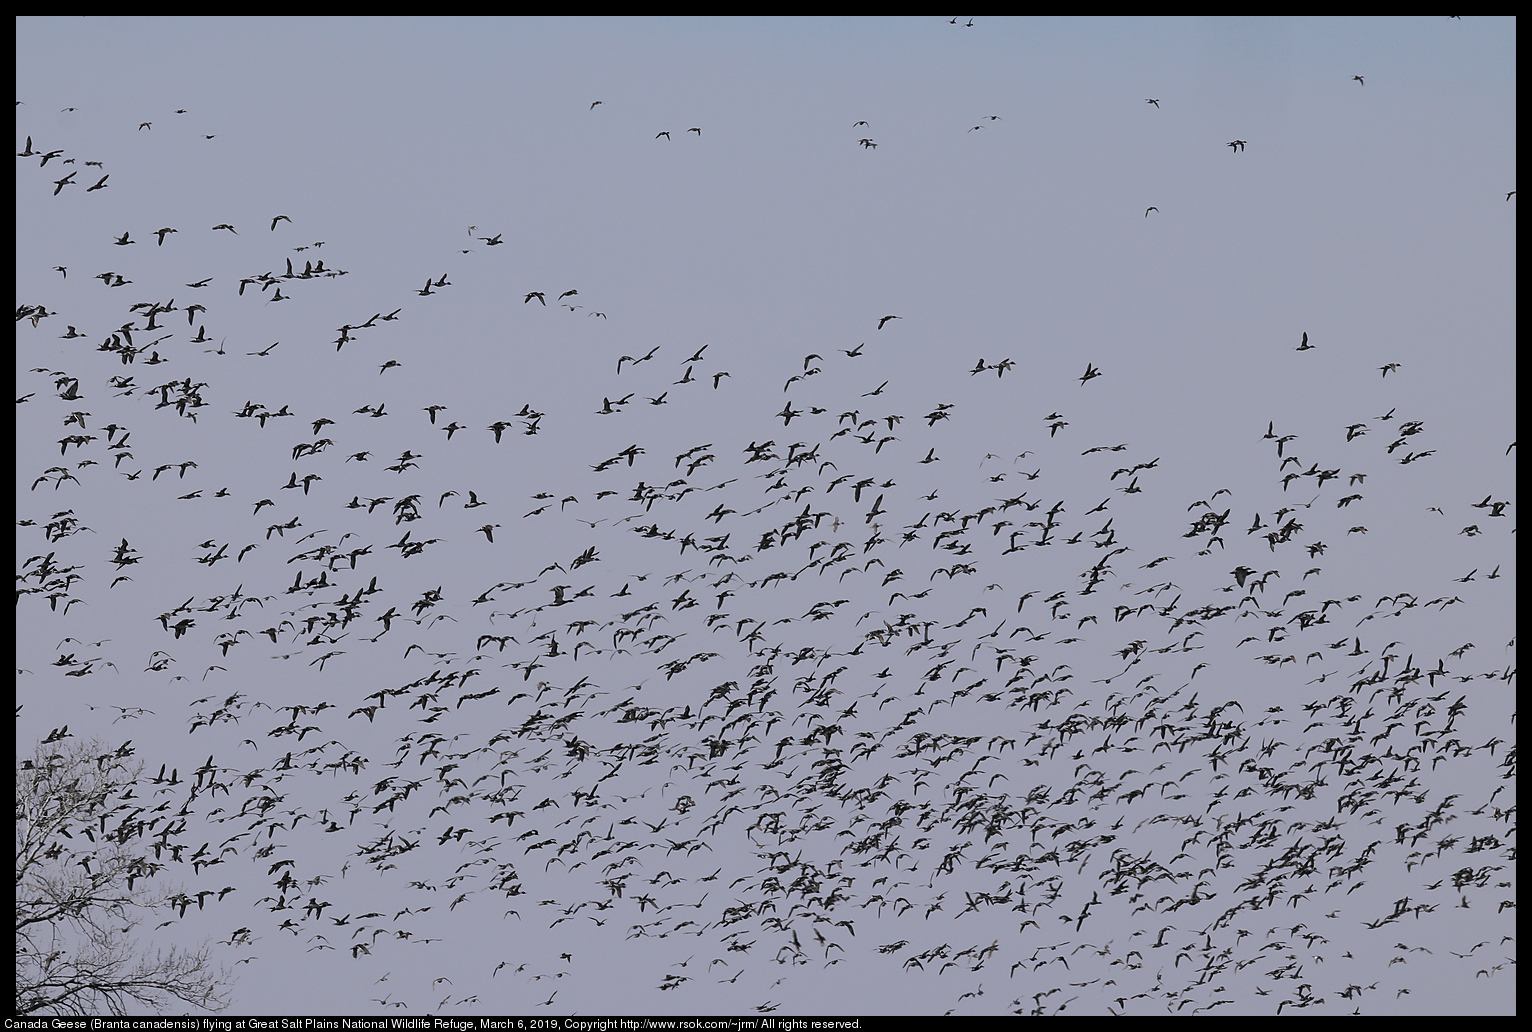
[(1026, 770)]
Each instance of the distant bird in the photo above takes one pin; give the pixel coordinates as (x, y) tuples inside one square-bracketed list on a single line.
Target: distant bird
[(643, 358), (593, 104), (123, 240), (279, 218), (886, 318), (1358, 78), (1091, 372), (100, 184), (230, 228), (1238, 145), (537, 294), (664, 134), (1151, 100), (1149, 209), (1305, 346), (696, 130), (868, 144)]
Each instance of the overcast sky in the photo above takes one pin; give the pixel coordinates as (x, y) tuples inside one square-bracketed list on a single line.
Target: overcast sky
[(1312, 330)]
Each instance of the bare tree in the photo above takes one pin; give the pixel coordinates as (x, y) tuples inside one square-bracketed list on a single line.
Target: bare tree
[(76, 898)]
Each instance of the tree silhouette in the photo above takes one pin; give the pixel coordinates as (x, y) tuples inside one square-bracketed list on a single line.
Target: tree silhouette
[(80, 891)]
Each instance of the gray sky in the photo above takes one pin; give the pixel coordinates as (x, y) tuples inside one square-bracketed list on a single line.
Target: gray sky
[(1001, 216)]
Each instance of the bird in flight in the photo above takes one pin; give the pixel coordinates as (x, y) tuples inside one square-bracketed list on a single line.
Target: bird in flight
[(230, 228), (1091, 372), (1149, 209), (279, 218), (537, 294), (630, 358), (1151, 100), (1238, 145), (886, 318), (664, 134), (101, 185), (593, 104), (1305, 346), (868, 145), (1359, 79), (123, 240)]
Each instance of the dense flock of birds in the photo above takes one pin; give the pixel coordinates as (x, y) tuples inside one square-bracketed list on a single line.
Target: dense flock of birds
[(1053, 757)]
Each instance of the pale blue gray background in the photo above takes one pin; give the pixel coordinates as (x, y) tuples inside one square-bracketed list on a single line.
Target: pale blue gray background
[(1373, 217)]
